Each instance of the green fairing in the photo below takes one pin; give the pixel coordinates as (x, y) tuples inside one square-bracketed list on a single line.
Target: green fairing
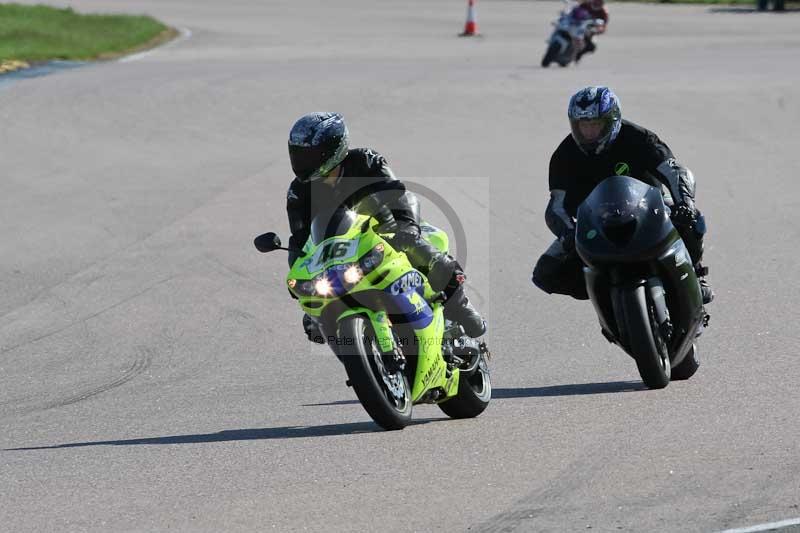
[(431, 372), (435, 236), (431, 368)]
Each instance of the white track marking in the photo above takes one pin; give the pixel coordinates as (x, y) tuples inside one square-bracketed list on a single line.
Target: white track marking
[(771, 526)]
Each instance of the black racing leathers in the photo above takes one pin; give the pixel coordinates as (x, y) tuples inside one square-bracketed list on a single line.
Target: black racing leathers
[(367, 185), (363, 173), (636, 152)]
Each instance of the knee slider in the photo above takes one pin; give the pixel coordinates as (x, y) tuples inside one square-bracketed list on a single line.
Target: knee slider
[(544, 273)]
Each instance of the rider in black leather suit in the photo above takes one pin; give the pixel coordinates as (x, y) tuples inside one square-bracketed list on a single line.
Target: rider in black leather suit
[(603, 145), (329, 174)]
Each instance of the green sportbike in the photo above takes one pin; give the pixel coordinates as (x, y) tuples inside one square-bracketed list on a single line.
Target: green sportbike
[(384, 322)]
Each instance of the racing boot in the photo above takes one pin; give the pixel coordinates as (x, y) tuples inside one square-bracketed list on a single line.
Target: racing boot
[(705, 288), (458, 308)]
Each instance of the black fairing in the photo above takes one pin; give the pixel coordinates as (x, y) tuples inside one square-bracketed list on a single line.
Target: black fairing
[(625, 237), (623, 220)]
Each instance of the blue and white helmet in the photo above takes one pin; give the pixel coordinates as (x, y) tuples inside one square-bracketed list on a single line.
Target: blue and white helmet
[(595, 117)]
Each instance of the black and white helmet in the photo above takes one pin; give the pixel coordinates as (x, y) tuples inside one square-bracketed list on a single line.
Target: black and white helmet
[(595, 117), (317, 143)]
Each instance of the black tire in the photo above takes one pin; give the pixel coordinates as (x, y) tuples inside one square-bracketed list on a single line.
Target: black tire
[(688, 366), (653, 363), (474, 394), (368, 375), (552, 50)]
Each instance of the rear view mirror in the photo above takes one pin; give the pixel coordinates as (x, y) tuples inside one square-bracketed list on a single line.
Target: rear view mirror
[(268, 242)]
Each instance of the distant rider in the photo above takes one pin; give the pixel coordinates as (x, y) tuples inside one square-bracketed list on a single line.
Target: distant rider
[(602, 144), (330, 174), (586, 10)]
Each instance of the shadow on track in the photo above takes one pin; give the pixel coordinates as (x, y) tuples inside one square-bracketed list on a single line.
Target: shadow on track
[(575, 389), (285, 432), (337, 402)]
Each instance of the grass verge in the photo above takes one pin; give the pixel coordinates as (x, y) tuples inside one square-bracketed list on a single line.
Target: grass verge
[(30, 34)]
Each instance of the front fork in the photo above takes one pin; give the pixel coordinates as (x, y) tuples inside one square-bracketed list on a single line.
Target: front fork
[(431, 369), (380, 325)]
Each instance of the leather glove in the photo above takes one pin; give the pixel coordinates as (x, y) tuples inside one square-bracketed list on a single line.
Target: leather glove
[(405, 235), (684, 214)]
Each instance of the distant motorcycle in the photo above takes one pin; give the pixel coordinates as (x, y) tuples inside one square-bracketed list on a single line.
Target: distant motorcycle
[(568, 37), (640, 278)]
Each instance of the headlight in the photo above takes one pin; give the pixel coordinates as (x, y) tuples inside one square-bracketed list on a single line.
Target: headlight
[(322, 286), (303, 287), (372, 259), (339, 279), (353, 274)]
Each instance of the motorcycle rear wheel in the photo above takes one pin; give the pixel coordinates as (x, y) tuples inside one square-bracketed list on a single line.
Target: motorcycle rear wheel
[(688, 366), (474, 393), (383, 391)]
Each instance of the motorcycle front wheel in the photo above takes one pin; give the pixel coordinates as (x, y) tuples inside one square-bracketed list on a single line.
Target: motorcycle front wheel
[(551, 53), (381, 388), (644, 340)]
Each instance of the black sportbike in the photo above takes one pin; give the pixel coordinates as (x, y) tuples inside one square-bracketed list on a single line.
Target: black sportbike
[(640, 278)]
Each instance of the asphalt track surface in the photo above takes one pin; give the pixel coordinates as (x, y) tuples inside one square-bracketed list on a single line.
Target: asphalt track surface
[(153, 372)]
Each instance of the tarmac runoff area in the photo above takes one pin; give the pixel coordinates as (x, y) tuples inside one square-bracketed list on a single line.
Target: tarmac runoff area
[(154, 374)]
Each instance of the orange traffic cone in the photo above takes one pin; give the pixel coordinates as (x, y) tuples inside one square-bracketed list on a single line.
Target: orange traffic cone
[(471, 27)]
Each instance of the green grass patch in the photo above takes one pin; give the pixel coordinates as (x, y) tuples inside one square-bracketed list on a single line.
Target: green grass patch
[(40, 33)]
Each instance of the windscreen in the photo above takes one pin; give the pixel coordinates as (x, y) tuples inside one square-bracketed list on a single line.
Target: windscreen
[(621, 199), (330, 223)]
